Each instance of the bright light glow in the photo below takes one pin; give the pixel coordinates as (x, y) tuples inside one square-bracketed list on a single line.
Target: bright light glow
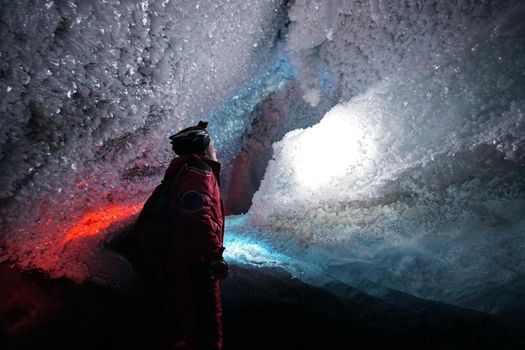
[(94, 222), (249, 252), (330, 148), (244, 247)]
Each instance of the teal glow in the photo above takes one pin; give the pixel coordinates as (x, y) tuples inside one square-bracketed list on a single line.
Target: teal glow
[(244, 246), (231, 119)]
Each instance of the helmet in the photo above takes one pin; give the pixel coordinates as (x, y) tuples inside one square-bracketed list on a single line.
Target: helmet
[(194, 139)]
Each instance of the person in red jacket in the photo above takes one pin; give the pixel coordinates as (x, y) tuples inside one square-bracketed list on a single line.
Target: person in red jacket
[(194, 264)]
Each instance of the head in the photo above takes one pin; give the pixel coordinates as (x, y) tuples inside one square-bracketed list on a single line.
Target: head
[(192, 140)]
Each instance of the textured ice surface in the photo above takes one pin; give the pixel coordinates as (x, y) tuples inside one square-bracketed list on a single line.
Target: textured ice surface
[(90, 90), (278, 113), (250, 247), (421, 187), (418, 182)]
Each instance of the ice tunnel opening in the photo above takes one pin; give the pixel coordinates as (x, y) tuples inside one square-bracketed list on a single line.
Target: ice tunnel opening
[(327, 150)]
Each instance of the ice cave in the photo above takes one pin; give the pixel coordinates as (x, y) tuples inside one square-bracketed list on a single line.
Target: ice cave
[(373, 166)]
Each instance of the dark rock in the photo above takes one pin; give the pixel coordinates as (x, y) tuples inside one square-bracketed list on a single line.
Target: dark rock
[(264, 308)]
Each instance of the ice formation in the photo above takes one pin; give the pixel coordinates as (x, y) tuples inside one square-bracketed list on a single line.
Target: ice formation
[(91, 90), (414, 180), (417, 182)]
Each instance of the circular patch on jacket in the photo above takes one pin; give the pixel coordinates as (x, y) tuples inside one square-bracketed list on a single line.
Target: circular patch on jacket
[(192, 201)]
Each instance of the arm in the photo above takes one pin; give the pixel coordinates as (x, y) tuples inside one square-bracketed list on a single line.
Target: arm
[(197, 216)]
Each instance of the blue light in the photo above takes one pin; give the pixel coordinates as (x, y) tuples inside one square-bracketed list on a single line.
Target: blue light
[(244, 247), (247, 251), (325, 80), (230, 120)]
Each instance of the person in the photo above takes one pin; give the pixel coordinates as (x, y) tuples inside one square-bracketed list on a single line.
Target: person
[(193, 266)]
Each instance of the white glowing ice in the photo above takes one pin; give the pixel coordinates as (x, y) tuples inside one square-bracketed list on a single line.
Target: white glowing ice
[(338, 145), (415, 181)]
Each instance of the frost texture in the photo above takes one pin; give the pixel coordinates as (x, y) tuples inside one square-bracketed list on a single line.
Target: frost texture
[(90, 90), (417, 182), (421, 188)]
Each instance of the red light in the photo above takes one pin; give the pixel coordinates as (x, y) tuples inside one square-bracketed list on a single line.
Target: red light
[(95, 221)]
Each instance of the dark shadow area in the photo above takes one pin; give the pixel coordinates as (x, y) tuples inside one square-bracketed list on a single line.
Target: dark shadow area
[(263, 309)]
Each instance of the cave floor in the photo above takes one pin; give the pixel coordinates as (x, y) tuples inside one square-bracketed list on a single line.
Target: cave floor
[(264, 308)]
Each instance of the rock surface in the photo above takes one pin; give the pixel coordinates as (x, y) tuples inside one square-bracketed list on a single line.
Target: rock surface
[(264, 308)]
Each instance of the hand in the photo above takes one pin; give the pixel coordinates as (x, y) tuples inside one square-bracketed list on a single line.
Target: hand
[(219, 269)]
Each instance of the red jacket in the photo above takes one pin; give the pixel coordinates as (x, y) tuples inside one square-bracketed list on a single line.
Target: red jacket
[(196, 209)]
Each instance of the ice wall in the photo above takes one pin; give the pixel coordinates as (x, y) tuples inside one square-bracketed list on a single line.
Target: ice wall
[(89, 92), (278, 113), (416, 181)]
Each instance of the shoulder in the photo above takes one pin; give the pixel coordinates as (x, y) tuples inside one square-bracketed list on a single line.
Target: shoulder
[(175, 165), (198, 164)]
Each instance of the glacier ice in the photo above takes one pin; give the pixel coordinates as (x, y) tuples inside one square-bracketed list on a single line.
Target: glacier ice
[(421, 184), (416, 182), (90, 92)]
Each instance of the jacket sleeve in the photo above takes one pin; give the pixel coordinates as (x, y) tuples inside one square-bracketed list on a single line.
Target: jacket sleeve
[(196, 195)]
